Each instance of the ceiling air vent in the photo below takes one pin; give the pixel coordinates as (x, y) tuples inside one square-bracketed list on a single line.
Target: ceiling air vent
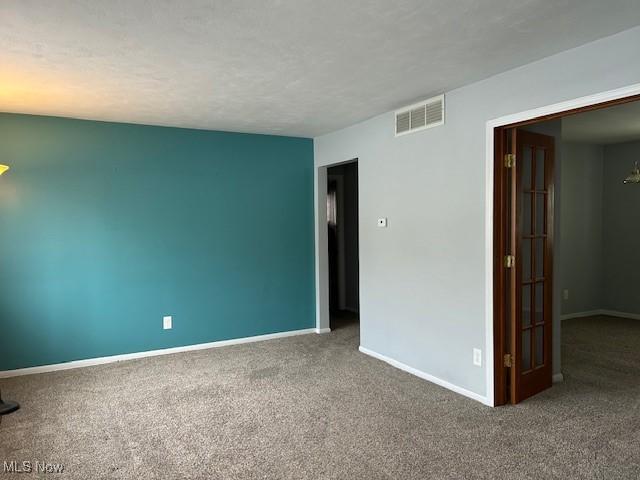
[(416, 117)]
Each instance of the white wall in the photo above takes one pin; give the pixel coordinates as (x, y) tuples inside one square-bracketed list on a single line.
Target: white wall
[(621, 230), (581, 234), (600, 229), (423, 279)]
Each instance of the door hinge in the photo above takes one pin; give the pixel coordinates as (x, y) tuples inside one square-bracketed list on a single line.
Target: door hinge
[(507, 360), (509, 160), (509, 261)]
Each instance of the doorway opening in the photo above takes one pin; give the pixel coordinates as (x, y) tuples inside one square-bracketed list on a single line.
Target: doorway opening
[(343, 241), (562, 236)]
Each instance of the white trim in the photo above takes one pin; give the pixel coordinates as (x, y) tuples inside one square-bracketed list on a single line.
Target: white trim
[(558, 377), (426, 376), (321, 247), (151, 353), (322, 330), (590, 313), (604, 312), (488, 266), (560, 107), (614, 313), (489, 181)]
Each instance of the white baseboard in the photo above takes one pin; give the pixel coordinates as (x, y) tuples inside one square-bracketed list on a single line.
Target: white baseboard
[(322, 330), (558, 377), (614, 313), (151, 353), (590, 313), (608, 313), (426, 376)]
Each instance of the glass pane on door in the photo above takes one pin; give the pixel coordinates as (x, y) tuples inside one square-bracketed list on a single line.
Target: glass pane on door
[(541, 220), (527, 274), (527, 214), (526, 349), (533, 196), (539, 308), (540, 169), (539, 253), (526, 305), (539, 346), (527, 170)]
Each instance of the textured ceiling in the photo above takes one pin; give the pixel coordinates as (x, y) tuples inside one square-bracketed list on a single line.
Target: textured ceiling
[(294, 67), (610, 125)]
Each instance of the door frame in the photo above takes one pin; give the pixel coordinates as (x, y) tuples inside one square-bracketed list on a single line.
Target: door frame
[(494, 289), (322, 242)]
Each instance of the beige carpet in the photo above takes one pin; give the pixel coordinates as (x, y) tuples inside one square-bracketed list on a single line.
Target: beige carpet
[(313, 407)]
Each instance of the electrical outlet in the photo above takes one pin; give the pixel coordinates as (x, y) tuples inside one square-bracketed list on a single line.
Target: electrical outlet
[(477, 357), (565, 294), (167, 323), (382, 222)]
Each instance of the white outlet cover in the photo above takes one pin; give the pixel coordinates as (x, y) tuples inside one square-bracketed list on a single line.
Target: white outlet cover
[(167, 323), (382, 222), (477, 357)]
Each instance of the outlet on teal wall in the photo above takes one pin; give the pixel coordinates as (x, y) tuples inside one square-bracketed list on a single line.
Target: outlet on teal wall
[(105, 228)]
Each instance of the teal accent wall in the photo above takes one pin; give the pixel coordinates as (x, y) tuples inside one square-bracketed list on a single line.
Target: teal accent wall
[(105, 228)]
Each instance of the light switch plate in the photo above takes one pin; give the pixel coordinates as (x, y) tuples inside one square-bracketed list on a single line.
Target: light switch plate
[(477, 357), (382, 222), (167, 323)]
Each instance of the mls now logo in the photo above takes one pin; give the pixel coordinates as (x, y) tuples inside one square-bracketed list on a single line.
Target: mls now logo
[(32, 467)]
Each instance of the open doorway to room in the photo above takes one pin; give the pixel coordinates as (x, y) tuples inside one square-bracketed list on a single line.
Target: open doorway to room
[(342, 225), (566, 256)]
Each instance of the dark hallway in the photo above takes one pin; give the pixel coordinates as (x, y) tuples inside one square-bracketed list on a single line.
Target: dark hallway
[(342, 222)]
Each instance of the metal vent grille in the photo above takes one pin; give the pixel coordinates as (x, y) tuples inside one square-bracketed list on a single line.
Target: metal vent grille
[(422, 115), (403, 122), (435, 112), (418, 117)]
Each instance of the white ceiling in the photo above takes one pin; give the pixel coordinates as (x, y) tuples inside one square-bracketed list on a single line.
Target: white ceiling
[(295, 67), (609, 125)]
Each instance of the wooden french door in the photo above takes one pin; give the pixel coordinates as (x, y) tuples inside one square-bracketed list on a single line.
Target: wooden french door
[(529, 164), (523, 251)]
